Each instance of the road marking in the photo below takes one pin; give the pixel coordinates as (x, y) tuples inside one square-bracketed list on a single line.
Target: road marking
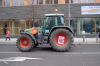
[(18, 59), (82, 53), (10, 52)]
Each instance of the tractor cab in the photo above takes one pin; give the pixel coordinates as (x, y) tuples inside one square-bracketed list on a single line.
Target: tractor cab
[(52, 20)]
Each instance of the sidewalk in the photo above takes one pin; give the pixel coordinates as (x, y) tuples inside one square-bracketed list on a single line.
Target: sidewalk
[(76, 41), (4, 41), (86, 41)]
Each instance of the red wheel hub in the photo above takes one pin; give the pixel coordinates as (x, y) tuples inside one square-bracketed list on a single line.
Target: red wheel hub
[(24, 42), (61, 39)]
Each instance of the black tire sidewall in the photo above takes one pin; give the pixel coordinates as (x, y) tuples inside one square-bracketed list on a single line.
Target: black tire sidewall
[(25, 49)]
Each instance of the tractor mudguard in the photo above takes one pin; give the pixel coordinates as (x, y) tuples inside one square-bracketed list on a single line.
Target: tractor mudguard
[(66, 27), (31, 36)]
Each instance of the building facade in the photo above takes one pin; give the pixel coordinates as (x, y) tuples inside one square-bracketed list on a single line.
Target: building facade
[(22, 14)]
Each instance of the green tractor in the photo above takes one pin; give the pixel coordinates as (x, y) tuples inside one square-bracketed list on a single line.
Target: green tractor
[(53, 32)]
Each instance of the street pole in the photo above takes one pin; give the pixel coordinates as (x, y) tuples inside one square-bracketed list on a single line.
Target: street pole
[(69, 16)]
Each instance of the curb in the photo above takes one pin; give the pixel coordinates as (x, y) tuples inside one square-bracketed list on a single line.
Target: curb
[(76, 41), (86, 43)]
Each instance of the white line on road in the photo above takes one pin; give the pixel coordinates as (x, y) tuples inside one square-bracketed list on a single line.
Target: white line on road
[(18, 59), (10, 52), (82, 53)]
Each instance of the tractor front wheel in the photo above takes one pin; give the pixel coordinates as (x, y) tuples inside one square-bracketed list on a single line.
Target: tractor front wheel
[(61, 39), (25, 43)]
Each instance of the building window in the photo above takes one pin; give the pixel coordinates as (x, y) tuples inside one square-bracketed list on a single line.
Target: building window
[(6, 3), (86, 1), (15, 3), (0, 2), (51, 1), (20, 2), (40, 1), (27, 2), (55, 1), (61, 1), (34, 2), (85, 25), (48, 1), (66, 1)]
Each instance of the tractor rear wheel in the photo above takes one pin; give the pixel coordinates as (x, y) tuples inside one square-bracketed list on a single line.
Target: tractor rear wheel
[(25, 43), (61, 39)]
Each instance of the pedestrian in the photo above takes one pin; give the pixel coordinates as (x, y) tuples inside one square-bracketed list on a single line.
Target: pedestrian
[(5, 29), (99, 35), (8, 34)]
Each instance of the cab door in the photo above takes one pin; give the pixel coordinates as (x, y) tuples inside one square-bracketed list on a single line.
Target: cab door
[(49, 23)]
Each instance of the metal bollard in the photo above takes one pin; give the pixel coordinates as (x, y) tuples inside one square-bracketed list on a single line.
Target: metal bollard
[(83, 39), (97, 38)]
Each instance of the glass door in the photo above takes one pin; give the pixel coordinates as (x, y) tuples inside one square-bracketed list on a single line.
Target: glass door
[(4, 25)]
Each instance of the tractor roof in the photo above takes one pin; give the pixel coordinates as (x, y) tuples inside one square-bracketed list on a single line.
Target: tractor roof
[(54, 14)]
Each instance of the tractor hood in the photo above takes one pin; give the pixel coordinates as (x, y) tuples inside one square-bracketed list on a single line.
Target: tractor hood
[(28, 30)]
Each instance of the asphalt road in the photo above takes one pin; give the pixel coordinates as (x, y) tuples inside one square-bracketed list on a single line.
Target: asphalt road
[(81, 55)]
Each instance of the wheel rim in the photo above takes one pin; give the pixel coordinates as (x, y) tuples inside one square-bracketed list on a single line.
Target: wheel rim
[(61, 39), (24, 42)]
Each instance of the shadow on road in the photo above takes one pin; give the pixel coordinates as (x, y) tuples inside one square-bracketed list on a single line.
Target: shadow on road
[(47, 48)]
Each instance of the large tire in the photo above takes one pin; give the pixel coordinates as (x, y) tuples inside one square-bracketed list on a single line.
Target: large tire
[(61, 39), (25, 43)]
